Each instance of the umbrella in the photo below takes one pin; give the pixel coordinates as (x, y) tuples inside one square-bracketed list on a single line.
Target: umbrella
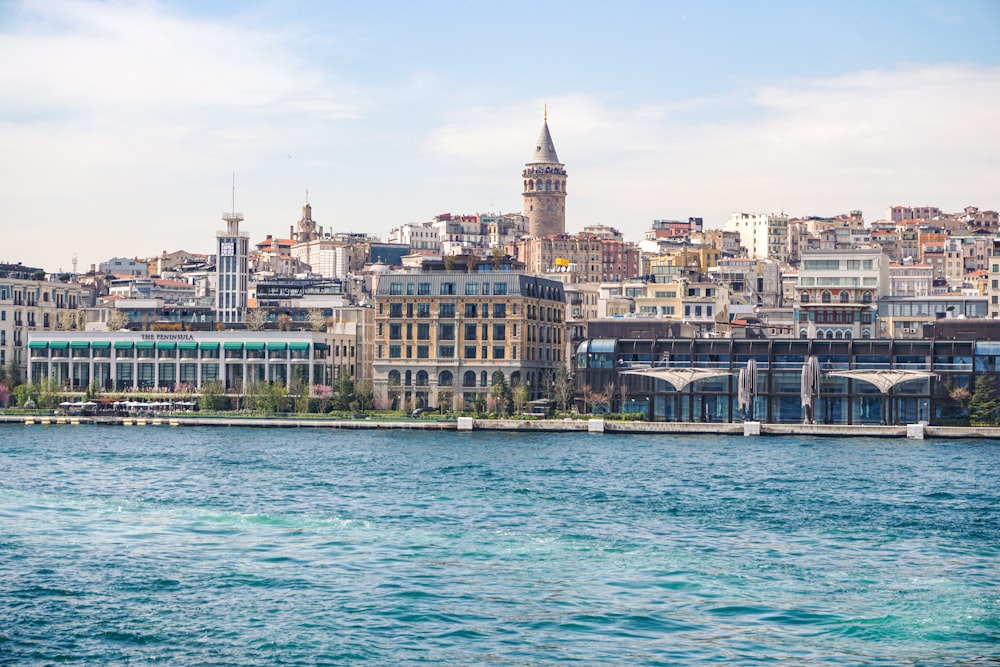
[(747, 388), (810, 387)]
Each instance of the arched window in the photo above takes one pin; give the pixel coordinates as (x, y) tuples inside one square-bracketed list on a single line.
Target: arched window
[(827, 297), (804, 297), (865, 333), (548, 185), (394, 377), (829, 335), (469, 379), (483, 379), (497, 376), (555, 186), (515, 378), (803, 334), (866, 297), (845, 296), (409, 378), (847, 335), (445, 379), (839, 334), (421, 378)]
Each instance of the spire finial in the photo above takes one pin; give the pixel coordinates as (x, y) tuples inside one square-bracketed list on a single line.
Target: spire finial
[(545, 113)]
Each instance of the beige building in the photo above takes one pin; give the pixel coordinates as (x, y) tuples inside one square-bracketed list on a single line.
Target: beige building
[(28, 305), (440, 337)]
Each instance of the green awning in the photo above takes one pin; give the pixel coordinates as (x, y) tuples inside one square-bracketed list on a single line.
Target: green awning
[(276, 346), (298, 346), (321, 346), (166, 345), (144, 345), (209, 346), (253, 346), (123, 345), (187, 345), (37, 345), (80, 344), (232, 346), (59, 344), (101, 344)]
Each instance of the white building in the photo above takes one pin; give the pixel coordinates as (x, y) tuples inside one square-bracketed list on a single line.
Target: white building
[(765, 236)]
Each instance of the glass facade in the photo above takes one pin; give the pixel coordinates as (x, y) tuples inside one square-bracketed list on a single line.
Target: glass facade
[(600, 364)]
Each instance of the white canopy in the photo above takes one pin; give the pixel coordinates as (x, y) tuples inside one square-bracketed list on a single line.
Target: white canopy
[(679, 377), (884, 379)]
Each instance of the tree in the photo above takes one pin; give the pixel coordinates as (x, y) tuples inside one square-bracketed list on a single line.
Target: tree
[(984, 408), (588, 396), (255, 319), (343, 392), (564, 388), (284, 322), (497, 259), (365, 394), (449, 262), (317, 320), (519, 395), (5, 396), (609, 395), (213, 396), (66, 320), (500, 392), (24, 393), (13, 374)]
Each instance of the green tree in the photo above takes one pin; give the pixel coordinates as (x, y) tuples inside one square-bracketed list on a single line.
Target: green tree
[(984, 408), (365, 394), (343, 392), (500, 391), (519, 396), (213, 396), (25, 392)]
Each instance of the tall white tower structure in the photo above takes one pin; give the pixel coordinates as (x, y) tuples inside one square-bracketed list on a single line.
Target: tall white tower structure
[(231, 268)]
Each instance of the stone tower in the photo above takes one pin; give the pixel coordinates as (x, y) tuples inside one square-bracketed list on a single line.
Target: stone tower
[(545, 188), (305, 229)]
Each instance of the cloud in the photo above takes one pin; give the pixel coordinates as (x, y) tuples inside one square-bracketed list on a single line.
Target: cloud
[(912, 135)]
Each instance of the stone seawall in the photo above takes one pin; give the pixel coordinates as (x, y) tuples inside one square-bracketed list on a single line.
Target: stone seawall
[(597, 426)]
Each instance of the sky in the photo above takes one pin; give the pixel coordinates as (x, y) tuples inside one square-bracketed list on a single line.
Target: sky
[(123, 125)]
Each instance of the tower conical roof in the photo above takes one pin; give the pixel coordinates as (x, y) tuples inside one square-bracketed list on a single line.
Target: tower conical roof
[(545, 150)]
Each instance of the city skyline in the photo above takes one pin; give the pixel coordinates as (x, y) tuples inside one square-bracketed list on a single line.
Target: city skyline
[(123, 124)]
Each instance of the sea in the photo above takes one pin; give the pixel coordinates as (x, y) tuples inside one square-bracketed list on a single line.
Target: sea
[(240, 546)]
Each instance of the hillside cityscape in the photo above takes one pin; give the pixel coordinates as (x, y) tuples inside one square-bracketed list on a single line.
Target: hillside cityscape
[(442, 311)]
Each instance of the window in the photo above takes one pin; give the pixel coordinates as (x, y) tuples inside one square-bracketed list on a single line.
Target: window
[(395, 351), (448, 289), (499, 310), (395, 331), (804, 297), (827, 297), (446, 331), (845, 296), (470, 332), (395, 310), (486, 288), (409, 288), (499, 332), (421, 378), (423, 331), (423, 310), (469, 352), (471, 288), (498, 352), (470, 310), (469, 379), (423, 352), (423, 289), (445, 379), (395, 289), (446, 310), (499, 289), (446, 351)]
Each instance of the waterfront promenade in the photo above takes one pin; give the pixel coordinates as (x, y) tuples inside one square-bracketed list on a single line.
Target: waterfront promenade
[(593, 426)]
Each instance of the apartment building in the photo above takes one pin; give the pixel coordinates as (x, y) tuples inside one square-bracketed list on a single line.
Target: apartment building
[(441, 337)]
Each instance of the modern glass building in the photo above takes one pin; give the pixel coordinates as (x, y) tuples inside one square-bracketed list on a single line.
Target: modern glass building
[(601, 364), (123, 361)]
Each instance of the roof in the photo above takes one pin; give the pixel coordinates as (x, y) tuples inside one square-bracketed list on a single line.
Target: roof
[(545, 150)]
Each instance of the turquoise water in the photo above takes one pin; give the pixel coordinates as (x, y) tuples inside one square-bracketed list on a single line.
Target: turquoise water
[(199, 546)]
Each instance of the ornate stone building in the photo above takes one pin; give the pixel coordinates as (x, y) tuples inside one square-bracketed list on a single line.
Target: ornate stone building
[(545, 188)]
